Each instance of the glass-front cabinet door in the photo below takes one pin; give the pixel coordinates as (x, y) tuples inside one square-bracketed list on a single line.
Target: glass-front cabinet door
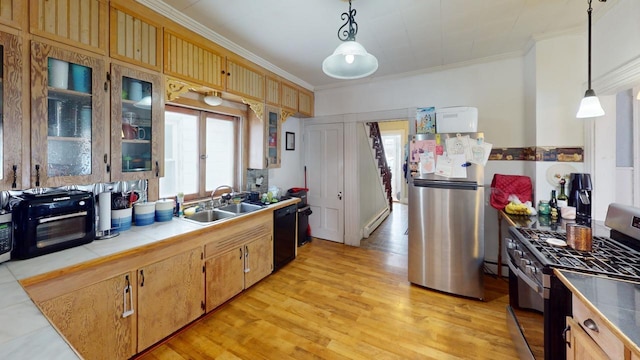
[(11, 111), (136, 124), (68, 93), (273, 136)]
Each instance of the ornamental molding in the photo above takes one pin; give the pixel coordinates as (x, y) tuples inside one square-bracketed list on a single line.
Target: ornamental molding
[(256, 106)]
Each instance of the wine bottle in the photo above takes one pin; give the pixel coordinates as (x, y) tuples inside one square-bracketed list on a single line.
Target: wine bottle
[(563, 200), (553, 203)]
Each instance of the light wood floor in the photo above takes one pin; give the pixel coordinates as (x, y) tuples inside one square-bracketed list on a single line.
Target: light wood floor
[(342, 302), (391, 235)]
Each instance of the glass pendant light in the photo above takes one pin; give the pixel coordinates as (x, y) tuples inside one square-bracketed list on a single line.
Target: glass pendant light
[(590, 104), (350, 60)]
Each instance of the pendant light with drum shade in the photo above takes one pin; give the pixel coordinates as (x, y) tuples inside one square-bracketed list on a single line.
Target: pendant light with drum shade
[(590, 104), (350, 60)]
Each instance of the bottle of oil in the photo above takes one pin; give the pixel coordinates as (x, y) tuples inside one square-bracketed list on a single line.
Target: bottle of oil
[(563, 199)]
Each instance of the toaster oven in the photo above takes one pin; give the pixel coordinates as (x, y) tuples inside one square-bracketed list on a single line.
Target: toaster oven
[(51, 221)]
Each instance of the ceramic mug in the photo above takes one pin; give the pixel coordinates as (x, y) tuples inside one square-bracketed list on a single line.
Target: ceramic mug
[(129, 132), (141, 132)]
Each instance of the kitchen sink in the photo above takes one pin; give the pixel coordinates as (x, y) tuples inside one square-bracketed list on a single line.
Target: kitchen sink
[(240, 208), (208, 216)]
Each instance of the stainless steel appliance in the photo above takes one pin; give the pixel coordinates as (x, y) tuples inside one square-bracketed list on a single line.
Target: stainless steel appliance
[(446, 229), (6, 237), (580, 196), (51, 221), (532, 284)]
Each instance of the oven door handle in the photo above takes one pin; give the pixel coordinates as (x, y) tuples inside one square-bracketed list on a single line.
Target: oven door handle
[(532, 284), (60, 217)]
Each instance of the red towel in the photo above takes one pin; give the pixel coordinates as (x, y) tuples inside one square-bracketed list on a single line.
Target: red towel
[(502, 186)]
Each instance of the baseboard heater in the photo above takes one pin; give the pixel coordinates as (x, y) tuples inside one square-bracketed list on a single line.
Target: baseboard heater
[(377, 220)]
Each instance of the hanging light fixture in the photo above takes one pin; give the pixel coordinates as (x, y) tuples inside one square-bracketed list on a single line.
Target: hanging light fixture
[(590, 105), (350, 60), (213, 99)]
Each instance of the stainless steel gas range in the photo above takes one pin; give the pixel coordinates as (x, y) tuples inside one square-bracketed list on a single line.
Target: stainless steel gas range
[(532, 284)]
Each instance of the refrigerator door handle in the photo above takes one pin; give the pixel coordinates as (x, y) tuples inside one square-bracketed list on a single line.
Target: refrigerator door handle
[(454, 185)]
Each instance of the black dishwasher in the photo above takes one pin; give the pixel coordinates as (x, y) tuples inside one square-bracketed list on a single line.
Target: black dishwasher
[(284, 236)]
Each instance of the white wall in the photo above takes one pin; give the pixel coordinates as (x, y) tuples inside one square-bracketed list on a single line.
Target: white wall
[(372, 195), (291, 172), (495, 88)]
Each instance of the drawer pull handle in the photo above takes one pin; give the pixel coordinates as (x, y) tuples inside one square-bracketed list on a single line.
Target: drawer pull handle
[(591, 325)]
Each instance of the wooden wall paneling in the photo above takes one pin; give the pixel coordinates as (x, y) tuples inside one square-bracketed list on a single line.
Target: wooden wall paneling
[(81, 23), (135, 38), (305, 102), (272, 89), (14, 13), (198, 62), (289, 99)]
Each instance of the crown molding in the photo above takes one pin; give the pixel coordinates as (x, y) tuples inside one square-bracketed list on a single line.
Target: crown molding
[(170, 12)]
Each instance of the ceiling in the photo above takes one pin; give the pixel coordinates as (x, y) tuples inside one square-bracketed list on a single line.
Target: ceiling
[(292, 37)]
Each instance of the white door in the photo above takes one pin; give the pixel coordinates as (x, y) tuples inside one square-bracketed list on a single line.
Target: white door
[(325, 177)]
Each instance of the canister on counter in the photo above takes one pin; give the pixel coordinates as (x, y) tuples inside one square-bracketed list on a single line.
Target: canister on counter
[(579, 237)]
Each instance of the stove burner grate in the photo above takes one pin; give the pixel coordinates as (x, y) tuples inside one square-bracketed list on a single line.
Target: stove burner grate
[(608, 257)]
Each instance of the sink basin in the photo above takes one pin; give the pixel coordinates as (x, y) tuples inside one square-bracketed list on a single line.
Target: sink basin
[(208, 216), (240, 208)]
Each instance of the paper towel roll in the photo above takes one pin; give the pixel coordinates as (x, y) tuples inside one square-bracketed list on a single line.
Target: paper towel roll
[(104, 211)]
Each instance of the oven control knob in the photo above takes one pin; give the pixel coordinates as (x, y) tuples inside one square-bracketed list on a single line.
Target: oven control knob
[(524, 262), (518, 253), (511, 245), (530, 269)]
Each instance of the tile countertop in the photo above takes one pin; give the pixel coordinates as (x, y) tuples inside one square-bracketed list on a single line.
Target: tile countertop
[(25, 333), (621, 310)]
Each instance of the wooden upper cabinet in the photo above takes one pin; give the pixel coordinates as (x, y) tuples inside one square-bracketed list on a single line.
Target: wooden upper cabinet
[(272, 96), (13, 13), (289, 97), (135, 39), (80, 23), (305, 102), (12, 98), (193, 61), (244, 80)]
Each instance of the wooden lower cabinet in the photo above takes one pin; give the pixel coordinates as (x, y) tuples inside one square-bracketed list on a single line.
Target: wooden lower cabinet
[(258, 260), (225, 277), (237, 260), (170, 295), (580, 346), (91, 318), (238, 269)]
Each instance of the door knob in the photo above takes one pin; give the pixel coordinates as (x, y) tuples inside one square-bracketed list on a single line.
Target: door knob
[(339, 195)]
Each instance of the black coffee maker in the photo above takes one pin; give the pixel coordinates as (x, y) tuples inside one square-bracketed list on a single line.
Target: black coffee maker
[(580, 196)]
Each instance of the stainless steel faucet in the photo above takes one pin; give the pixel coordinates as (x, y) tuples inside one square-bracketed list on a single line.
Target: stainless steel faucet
[(225, 198)]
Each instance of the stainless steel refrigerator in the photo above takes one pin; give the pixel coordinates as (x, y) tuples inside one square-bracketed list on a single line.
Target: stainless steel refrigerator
[(446, 226)]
